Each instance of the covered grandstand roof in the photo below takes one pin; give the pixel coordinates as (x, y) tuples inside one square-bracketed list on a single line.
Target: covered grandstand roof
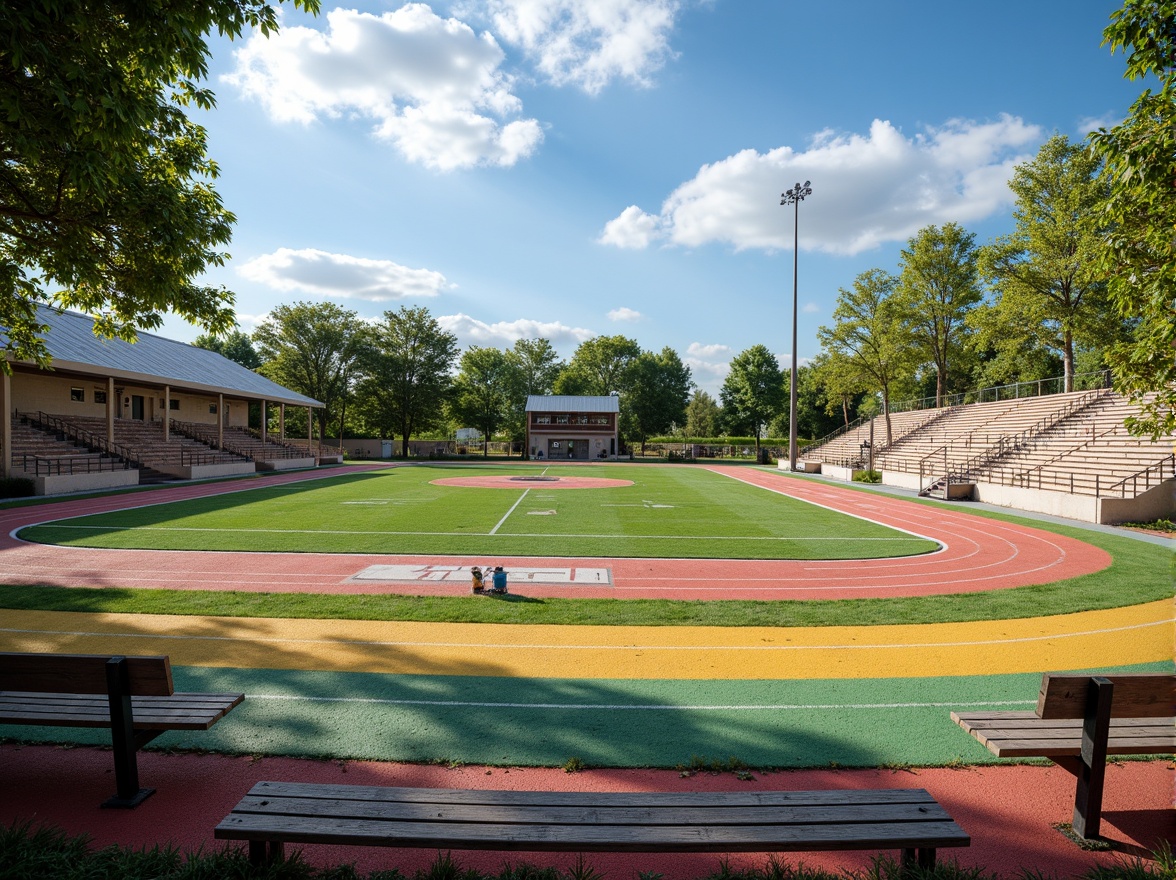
[(153, 359)]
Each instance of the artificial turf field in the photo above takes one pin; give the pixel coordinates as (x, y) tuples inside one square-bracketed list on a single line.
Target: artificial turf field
[(665, 512)]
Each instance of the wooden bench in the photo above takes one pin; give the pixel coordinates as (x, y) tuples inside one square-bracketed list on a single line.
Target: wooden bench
[(1079, 720), (275, 813), (133, 696)]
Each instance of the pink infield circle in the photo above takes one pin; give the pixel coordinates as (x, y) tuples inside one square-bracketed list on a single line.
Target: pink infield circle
[(536, 482)]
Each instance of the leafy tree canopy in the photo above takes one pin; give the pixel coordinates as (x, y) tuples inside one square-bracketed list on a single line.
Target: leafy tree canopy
[(753, 392), (236, 346), (314, 349), (106, 202), (1139, 257)]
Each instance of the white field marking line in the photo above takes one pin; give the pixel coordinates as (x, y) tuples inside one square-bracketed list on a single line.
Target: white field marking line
[(650, 707), (506, 515), (491, 532), (340, 643), (875, 522)]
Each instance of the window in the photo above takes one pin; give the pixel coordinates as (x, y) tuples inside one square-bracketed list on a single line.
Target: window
[(100, 397), (212, 408), (173, 404), (581, 420), (561, 420), (78, 394), (542, 420)]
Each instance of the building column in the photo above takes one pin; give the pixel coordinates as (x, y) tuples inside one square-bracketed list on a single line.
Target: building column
[(6, 424), (220, 421), (310, 430), (263, 421), (281, 421), (166, 413), (111, 402)]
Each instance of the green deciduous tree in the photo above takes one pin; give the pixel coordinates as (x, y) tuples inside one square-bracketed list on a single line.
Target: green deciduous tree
[(314, 349), (938, 286), (236, 346), (702, 415), (871, 334), (106, 202), (480, 396), (599, 366), (659, 390), (408, 374), (533, 365), (1139, 169), (753, 393), (1050, 288)]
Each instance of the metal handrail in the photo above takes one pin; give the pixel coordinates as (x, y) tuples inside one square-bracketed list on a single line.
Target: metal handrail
[(89, 439), (1169, 462), (198, 432)]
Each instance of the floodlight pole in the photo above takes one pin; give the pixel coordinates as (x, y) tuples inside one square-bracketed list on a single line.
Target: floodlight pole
[(794, 197)]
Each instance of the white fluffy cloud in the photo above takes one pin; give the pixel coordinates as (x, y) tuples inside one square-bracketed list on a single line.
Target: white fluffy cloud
[(326, 274), (624, 313), (430, 86), (471, 331), (588, 44), (709, 364), (867, 190), (633, 229)]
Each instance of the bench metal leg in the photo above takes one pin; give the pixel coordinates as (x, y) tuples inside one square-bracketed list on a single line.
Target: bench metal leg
[(923, 858), (1093, 766), (266, 852), (122, 738)]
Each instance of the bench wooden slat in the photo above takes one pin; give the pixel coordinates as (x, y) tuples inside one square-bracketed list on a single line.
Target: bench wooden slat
[(1033, 748), (592, 838), (445, 796), (179, 712), (81, 673), (512, 814), (1139, 695), (1027, 720)]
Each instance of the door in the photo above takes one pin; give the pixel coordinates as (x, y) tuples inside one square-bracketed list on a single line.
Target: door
[(137, 406)]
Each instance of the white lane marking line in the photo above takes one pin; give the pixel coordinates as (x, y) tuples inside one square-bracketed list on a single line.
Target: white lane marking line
[(654, 707), (339, 643), (506, 515)]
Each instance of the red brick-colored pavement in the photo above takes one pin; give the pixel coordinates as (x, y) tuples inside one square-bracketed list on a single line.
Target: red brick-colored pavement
[(1009, 811)]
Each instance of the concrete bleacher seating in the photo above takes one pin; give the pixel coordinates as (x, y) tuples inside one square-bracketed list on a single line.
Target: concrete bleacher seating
[(146, 443), (35, 451), (1074, 442)]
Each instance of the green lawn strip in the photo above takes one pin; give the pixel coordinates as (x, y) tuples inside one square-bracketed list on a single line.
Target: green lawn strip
[(604, 723), (674, 512), (1140, 572)]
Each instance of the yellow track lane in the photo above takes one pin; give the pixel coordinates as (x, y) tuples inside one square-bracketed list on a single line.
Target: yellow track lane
[(1120, 636)]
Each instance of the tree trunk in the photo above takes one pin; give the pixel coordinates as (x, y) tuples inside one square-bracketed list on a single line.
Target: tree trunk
[(886, 412), (1068, 360)]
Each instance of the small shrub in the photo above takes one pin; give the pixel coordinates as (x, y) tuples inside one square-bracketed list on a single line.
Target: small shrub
[(573, 765), (867, 477)]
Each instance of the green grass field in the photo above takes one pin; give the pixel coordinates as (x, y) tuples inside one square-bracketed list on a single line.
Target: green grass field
[(667, 512)]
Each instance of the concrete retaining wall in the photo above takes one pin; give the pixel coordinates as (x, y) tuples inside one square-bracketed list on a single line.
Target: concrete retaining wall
[(285, 464), (59, 484), (1159, 502)]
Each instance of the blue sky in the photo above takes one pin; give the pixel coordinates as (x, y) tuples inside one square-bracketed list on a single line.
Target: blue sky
[(570, 168)]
